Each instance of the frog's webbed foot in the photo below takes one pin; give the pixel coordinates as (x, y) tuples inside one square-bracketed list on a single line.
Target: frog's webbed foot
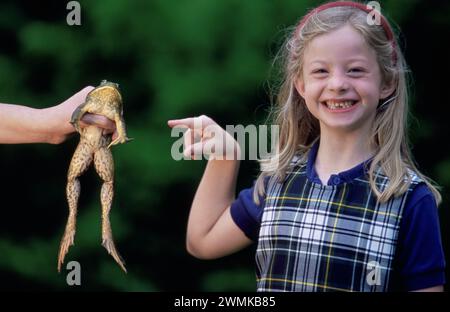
[(66, 241), (120, 140), (107, 237), (108, 243)]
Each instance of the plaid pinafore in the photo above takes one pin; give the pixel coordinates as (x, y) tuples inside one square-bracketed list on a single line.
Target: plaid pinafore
[(317, 237)]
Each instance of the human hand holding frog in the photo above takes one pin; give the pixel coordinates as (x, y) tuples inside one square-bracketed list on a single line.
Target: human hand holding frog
[(22, 124)]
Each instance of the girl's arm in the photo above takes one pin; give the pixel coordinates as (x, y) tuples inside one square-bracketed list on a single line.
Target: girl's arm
[(439, 288), (211, 231), (21, 124)]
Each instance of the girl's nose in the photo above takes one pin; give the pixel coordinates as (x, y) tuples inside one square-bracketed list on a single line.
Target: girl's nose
[(338, 83)]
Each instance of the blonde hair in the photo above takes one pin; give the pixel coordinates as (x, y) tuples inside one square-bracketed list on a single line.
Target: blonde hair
[(299, 129)]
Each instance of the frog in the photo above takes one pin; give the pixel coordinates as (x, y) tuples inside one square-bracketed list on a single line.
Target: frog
[(95, 147)]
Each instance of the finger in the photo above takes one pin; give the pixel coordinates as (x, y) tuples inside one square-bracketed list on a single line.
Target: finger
[(109, 131), (115, 135), (194, 151), (85, 91), (188, 138), (192, 136), (186, 122), (98, 120), (191, 122), (80, 96)]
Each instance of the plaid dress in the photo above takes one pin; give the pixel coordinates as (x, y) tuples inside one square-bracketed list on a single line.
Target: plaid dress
[(316, 237)]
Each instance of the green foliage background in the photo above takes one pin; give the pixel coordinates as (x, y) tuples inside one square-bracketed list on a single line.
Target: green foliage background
[(172, 59)]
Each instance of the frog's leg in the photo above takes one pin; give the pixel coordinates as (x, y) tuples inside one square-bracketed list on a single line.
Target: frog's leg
[(77, 114), (122, 133), (104, 165), (81, 160)]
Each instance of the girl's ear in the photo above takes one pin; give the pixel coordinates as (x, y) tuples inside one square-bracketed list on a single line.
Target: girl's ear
[(387, 89), (300, 86)]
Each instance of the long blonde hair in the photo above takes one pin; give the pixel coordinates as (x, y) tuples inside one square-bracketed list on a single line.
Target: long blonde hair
[(299, 129)]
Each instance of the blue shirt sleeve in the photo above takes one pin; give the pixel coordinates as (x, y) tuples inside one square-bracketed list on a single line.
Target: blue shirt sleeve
[(247, 214), (421, 260)]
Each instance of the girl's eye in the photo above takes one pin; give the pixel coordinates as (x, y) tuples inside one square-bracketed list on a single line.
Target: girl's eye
[(356, 70), (319, 71)]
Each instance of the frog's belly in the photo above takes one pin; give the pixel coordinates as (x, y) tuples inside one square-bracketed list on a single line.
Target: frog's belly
[(93, 136)]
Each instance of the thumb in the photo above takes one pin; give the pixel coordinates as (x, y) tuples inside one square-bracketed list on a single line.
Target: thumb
[(194, 151)]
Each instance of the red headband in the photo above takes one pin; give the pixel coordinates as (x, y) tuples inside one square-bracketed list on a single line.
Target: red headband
[(363, 7)]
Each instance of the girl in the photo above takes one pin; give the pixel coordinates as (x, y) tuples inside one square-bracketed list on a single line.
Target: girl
[(341, 206)]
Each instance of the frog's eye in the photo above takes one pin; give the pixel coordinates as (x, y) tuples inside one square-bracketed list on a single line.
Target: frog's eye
[(103, 81)]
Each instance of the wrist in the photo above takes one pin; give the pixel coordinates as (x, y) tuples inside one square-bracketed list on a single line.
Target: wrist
[(55, 126), (233, 148), (229, 150)]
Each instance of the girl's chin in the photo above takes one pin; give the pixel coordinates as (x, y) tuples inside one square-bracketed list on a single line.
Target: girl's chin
[(346, 123)]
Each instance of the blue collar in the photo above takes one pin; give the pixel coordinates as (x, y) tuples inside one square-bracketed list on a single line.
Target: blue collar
[(335, 179)]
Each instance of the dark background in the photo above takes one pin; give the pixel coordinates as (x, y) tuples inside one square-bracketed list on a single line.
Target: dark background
[(172, 59)]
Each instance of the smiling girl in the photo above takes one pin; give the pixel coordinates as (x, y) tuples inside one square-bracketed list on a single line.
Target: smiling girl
[(341, 206)]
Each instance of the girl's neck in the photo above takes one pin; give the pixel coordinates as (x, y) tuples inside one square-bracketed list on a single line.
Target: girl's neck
[(340, 151)]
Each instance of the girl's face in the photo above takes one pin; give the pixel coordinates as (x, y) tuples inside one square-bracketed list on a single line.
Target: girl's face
[(341, 80)]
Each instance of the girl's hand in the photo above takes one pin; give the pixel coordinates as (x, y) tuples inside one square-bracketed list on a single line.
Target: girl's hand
[(205, 137)]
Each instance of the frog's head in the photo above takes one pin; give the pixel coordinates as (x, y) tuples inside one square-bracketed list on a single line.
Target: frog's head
[(106, 83)]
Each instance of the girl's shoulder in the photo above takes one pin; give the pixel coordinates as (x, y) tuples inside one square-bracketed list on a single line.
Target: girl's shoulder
[(296, 166), (412, 177), (419, 188), (298, 160)]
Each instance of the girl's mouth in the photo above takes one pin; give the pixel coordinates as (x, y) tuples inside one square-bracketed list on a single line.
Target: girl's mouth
[(340, 106)]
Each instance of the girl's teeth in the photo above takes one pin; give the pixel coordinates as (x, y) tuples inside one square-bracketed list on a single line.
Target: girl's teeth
[(338, 105)]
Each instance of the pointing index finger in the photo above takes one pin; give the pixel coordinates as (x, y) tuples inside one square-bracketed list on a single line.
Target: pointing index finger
[(98, 120), (186, 122)]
